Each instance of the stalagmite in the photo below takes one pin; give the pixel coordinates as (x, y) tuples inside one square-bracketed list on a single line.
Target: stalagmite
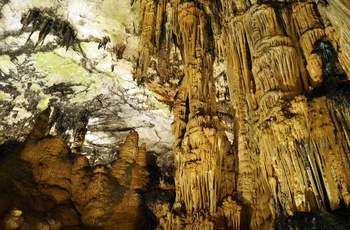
[(63, 190)]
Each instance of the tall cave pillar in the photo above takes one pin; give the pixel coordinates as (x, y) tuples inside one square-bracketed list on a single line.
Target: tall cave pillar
[(277, 79), (201, 145), (266, 75)]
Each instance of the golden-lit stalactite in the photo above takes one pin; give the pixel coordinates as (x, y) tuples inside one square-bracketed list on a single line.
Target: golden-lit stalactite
[(291, 135), (337, 28), (147, 17), (274, 78), (309, 28), (201, 144), (241, 85), (204, 173), (274, 64)]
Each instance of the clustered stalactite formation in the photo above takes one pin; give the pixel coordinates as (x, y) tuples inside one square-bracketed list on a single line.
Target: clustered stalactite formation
[(45, 23), (288, 90)]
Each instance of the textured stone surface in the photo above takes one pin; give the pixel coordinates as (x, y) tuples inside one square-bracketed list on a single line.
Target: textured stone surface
[(79, 195), (258, 93), (77, 59), (287, 86), (95, 101)]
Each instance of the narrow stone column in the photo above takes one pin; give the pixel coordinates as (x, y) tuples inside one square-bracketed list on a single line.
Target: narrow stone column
[(201, 145)]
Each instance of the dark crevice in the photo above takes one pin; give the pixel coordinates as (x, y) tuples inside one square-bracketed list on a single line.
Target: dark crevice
[(335, 85), (154, 193)]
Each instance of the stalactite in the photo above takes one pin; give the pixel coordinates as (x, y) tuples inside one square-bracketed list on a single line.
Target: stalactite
[(274, 67), (289, 146), (201, 145), (309, 28), (148, 17)]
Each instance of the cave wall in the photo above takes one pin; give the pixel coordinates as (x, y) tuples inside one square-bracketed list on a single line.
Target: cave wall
[(287, 73), (258, 92)]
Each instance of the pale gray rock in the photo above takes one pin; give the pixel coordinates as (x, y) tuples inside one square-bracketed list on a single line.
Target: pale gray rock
[(89, 89)]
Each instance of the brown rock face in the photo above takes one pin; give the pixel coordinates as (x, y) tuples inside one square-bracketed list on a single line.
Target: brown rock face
[(287, 75), (55, 188)]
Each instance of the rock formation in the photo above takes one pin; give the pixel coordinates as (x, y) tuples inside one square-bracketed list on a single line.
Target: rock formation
[(288, 90), (257, 137), (56, 189)]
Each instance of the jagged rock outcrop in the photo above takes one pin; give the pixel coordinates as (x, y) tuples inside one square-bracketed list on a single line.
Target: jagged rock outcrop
[(38, 197), (287, 76)]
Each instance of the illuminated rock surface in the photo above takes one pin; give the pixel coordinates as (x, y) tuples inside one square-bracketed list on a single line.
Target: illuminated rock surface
[(174, 114)]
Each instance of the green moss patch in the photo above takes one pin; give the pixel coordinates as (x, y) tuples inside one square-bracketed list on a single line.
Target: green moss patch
[(7, 65), (60, 69)]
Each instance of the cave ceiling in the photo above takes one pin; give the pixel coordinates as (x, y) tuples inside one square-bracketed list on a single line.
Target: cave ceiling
[(77, 57)]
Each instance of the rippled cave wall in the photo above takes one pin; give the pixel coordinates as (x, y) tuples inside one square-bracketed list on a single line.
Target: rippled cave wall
[(157, 114)]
